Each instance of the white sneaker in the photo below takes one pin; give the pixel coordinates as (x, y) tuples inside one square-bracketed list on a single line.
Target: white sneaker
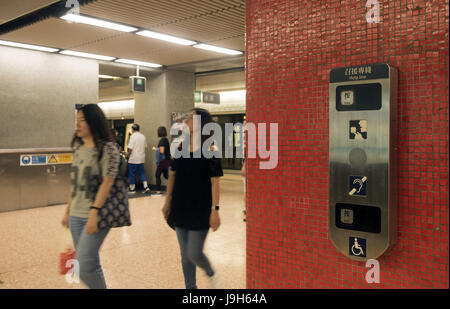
[(146, 190)]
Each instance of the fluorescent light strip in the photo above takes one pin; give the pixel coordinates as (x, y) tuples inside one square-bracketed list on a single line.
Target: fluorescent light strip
[(144, 64), (165, 37), (86, 55), (28, 46), (218, 49), (108, 77), (118, 105), (118, 109), (98, 22)]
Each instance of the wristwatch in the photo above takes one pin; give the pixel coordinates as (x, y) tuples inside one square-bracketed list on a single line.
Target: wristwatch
[(216, 207)]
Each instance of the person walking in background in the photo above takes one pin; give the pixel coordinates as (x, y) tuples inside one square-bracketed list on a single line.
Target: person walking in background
[(192, 204), (136, 158), (116, 139), (81, 216), (162, 158)]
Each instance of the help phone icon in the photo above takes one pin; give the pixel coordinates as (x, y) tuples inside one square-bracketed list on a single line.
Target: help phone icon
[(357, 186)]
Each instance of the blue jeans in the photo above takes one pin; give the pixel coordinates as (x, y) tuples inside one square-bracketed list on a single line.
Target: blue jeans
[(191, 247), (132, 168), (86, 248)]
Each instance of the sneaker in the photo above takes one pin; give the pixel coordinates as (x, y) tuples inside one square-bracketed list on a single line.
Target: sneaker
[(146, 190), (157, 193), (131, 191)]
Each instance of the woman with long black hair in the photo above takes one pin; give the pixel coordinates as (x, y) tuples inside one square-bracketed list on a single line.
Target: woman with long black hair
[(192, 203), (162, 158), (81, 216)]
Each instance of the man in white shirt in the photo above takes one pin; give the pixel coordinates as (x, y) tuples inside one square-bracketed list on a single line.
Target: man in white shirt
[(136, 158)]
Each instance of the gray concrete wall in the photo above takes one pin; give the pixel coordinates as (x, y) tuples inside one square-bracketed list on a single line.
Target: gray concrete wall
[(149, 111), (38, 93), (171, 91), (180, 98)]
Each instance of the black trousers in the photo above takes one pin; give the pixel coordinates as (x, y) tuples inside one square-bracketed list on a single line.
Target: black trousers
[(165, 172)]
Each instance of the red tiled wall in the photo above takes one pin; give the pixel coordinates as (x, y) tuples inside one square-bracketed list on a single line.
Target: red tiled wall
[(291, 47)]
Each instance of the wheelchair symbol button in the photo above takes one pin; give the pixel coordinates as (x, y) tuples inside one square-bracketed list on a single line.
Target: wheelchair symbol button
[(357, 246)]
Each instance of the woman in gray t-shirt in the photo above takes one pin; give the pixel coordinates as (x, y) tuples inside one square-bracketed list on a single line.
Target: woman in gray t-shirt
[(81, 216)]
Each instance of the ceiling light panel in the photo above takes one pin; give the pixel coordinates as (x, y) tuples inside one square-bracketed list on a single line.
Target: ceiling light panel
[(28, 46), (218, 49), (98, 22), (86, 55), (141, 63), (108, 77), (165, 37)]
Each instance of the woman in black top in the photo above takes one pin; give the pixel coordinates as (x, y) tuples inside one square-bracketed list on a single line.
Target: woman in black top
[(191, 205), (162, 165)]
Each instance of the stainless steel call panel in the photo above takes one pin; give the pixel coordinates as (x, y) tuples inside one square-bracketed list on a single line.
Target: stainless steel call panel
[(362, 154)]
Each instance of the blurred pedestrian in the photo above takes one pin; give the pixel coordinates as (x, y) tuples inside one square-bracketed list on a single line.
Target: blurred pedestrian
[(162, 158), (81, 216), (136, 158), (192, 204)]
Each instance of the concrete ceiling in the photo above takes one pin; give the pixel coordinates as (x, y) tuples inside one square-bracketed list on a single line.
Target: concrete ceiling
[(217, 22), (221, 82)]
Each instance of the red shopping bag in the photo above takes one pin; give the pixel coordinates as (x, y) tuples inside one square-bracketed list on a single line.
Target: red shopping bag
[(67, 254)]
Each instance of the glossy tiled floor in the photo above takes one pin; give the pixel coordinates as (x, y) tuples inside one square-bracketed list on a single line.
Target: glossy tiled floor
[(143, 256)]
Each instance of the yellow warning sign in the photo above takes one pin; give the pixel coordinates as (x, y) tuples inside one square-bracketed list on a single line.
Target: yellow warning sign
[(59, 158), (64, 158), (52, 159)]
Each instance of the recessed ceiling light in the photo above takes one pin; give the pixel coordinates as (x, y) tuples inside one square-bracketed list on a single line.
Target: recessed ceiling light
[(165, 37), (218, 49), (98, 22), (86, 55), (108, 76), (144, 64), (117, 104), (28, 46)]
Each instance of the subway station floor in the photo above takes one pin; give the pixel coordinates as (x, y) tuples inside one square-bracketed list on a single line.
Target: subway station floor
[(143, 256)]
